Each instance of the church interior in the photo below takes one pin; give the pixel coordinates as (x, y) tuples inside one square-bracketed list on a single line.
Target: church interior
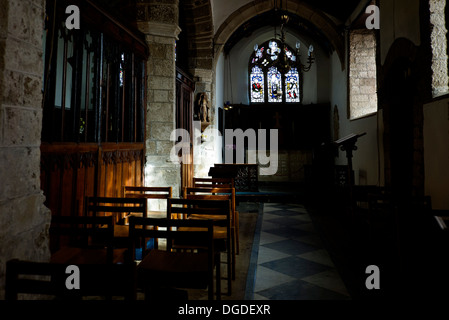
[(316, 187)]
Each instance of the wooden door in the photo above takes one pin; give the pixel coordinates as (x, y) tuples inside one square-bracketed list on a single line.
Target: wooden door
[(184, 119)]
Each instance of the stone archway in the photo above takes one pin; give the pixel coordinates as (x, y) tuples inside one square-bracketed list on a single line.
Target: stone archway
[(302, 10), (199, 31), (204, 47)]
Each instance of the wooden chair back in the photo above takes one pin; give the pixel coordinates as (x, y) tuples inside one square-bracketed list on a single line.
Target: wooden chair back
[(115, 206), (83, 227), (209, 192), (84, 232), (49, 279), (147, 192), (217, 208), (161, 267), (213, 182), (220, 207), (155, 196), (212, 193)]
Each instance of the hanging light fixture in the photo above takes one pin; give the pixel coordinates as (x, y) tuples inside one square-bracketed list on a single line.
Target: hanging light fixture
[(278, 53), (227, 105)]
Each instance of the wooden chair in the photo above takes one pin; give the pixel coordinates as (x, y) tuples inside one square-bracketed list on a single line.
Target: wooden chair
[(120, 209), (49, 280), (216, 208), (84, 240), (221, 183), (148, 193), (217, 194), (161, 268), (213, 182)]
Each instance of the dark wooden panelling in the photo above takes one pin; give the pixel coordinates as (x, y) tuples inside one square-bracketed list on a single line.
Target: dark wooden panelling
[(184, 119), (70, 172)]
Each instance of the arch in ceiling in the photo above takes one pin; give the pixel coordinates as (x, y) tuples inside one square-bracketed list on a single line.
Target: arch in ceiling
[(199, 32), (300, 9)]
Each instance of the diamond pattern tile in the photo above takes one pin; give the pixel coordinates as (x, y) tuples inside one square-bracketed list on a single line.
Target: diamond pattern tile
[(283, 231), (318, 256), (266, 237), (286, 221), (283, 212), (295, 267), (300, 290), (267, 278), (328, 279), (292, 263), (290, 246), (267, 255)]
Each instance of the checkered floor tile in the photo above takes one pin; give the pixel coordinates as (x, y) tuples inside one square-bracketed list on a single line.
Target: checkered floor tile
[(292, 263)]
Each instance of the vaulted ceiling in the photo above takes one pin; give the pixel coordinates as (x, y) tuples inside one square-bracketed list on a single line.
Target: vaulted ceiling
[(338, 9), (208, 23), (221, 9), (337, 12)]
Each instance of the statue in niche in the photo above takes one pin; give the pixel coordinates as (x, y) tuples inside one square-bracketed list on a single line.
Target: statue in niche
[(202, 107), (336, 123)]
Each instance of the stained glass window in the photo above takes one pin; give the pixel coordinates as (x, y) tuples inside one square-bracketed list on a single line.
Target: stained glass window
[(274, 50), (274, 85), (257, 85), (121, 69), (292, 86), (266, 82)]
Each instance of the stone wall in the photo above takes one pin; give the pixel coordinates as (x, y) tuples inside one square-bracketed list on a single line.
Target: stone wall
[(24, 220), (362, 73), (159, 22), (440, 78)]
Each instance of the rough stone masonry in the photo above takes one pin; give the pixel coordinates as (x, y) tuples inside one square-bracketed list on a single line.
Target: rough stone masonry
[(24, 220), (362, 73)]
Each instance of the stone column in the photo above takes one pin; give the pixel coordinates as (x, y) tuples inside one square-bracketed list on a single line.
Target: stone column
[(440, 78), (24, 220), (159, 22)]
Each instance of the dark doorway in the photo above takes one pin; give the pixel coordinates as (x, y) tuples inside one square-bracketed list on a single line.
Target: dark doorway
[(399, 124)]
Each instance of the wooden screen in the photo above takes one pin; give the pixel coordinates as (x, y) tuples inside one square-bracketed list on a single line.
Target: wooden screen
[(94, 98), (184, 120)]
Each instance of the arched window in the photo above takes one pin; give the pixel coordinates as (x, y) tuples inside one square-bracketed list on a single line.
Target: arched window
[(267, 82)]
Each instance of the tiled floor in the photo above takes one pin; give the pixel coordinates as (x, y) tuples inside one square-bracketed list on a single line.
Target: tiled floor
[(292, 263)]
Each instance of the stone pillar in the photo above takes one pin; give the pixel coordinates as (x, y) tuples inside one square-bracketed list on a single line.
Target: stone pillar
[(159, 22), (440, 78), (24, 220)]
